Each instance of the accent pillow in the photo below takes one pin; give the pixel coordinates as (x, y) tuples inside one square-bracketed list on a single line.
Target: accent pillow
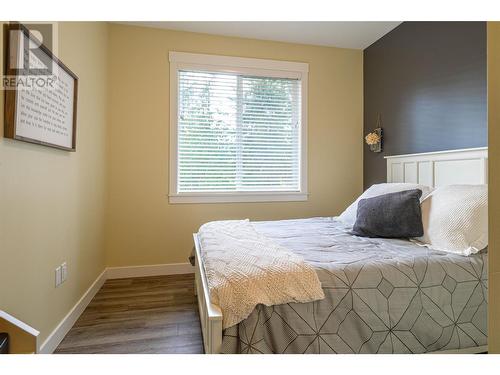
[(349, 215), (455, 219), (392, 215)]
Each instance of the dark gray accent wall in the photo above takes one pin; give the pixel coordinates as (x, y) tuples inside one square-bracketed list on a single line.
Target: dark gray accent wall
[(428, 82)]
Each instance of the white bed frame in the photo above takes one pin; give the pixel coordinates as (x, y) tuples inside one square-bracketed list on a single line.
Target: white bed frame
[(466, 166), (210, 314)]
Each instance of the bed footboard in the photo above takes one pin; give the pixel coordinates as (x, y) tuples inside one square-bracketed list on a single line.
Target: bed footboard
[(210, 314)]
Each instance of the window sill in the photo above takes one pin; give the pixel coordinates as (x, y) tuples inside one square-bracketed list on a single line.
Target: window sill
[(237, 197)]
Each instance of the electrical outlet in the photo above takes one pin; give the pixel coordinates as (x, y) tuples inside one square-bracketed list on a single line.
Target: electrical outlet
[(64, 272), (58, 276)]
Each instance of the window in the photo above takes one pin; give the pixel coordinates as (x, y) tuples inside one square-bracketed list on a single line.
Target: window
[(238, 129)]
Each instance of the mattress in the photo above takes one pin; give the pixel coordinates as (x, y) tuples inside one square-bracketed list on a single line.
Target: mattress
[(382, 296)]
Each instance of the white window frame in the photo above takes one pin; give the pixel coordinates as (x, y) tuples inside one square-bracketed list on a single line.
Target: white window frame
[(257, 67)]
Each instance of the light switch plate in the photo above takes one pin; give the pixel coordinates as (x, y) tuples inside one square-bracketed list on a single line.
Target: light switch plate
[(58, 276), (64, 272)]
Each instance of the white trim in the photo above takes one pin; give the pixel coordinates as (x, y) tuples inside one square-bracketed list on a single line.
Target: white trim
[(239, 197), (24, 338), (62, 329), (174, 83), (259, 67), (16, 322), (303, 135), (262, 72), (148, 270), (236, 62)]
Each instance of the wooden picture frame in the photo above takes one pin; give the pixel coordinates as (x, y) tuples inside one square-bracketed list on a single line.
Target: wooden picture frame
[(42, 132)]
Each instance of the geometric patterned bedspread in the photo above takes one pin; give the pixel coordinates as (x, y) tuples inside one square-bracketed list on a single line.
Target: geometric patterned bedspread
[(382, 296)]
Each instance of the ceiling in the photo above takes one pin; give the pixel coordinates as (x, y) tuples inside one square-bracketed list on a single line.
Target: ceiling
[(358, 35)]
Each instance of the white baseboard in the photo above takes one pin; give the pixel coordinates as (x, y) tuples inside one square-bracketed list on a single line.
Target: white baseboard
[(149, 270), (58, 334)]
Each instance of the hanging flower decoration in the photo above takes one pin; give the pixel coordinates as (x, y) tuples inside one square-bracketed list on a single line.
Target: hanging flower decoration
[(372, 139)]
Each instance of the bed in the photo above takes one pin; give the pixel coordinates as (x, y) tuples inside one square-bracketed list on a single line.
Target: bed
[(381, 295)]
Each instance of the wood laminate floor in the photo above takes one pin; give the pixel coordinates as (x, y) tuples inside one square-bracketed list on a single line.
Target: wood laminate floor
[(139, 315)]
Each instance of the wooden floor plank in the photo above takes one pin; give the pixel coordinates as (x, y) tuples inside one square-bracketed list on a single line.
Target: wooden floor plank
[(156, 314)]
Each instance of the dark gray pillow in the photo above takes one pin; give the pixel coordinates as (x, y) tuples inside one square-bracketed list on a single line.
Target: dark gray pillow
[(393, 215)]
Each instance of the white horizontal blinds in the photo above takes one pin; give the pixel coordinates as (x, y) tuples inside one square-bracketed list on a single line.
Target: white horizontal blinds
[(238, 133)]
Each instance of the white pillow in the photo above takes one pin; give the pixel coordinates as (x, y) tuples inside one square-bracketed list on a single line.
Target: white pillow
[(351, 212), (455, 219)]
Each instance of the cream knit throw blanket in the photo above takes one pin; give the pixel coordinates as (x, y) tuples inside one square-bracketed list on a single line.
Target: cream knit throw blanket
[(245, 268)]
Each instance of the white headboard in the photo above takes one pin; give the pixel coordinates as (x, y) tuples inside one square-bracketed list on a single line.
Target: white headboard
[(466, 166)]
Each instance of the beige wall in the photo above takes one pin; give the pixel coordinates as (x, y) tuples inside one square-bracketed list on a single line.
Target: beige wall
[(107, 203), (494, 185), (142, 227), (51, 201)]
